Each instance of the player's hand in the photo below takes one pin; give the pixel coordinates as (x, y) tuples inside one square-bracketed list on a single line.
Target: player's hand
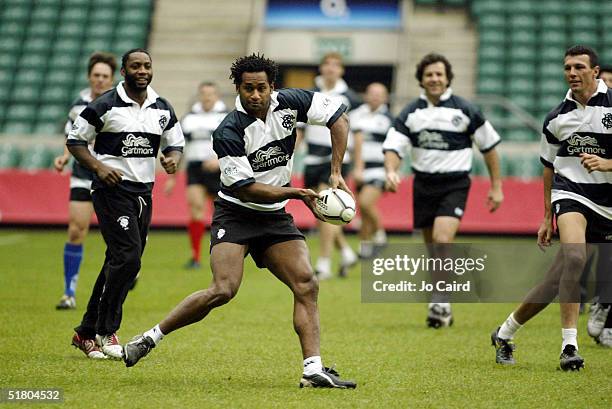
[(211, 165), (358, 175), (169, 163), (108, 175), (169, 186), (545, 233), (309, 197), (595, 163), (336, 181), (60, 161), (495, 198), (392, 181)]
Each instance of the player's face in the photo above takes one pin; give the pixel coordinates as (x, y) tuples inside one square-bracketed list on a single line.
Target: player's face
[(208, 96), (331, 70), (255, 91), (138, 71), (376, 95), (579, 74), (100, 78), (434, 79), (607, 78)]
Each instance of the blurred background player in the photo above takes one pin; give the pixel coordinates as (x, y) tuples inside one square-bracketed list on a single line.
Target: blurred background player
[(577, 186), (370, 123), (202, 163), (605, 73), (440, 128), (318, 159), (100, 74)]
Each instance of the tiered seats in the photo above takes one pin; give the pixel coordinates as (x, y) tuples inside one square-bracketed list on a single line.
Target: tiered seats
[(44, 48), (521, 49)]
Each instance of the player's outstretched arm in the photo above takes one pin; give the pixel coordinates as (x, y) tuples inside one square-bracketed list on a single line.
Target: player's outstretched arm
[(105, 173), (495, 197)]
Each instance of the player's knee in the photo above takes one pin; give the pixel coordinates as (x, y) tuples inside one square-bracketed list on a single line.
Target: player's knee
[(223, 293), (442, 237), (131, 262), (76, 232), (574, 258), (306, 287)]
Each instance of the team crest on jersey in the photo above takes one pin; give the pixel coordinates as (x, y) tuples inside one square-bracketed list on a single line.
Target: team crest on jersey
[(230, 171), (288, 122), (456, 121), (163, 121), (75, 126), (606, 121), (124, 222)]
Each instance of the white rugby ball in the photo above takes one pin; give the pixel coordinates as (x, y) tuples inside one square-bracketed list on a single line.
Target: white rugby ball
[(336, 206)]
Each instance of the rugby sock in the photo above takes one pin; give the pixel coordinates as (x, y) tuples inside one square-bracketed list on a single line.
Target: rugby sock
[(196, 231), (313, 365), (155, 334), (380, 237), (73, 255), (570, 336), (509, 328), (323, 265), (348, 256)]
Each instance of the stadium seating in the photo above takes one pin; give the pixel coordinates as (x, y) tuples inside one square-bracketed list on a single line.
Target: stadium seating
[(44, 47), (521, 46)]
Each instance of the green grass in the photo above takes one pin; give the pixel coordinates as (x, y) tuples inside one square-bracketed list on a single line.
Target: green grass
[(246, 354)]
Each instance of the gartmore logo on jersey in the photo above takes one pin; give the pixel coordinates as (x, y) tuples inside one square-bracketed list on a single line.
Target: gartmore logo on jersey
[(136, 145), (432, 140), (269, 158), (584, 144)]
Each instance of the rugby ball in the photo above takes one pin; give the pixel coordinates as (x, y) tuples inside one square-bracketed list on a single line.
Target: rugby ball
[(336, 206)]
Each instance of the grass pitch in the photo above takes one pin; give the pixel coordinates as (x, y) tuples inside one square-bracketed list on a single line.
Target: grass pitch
[(246, 354)]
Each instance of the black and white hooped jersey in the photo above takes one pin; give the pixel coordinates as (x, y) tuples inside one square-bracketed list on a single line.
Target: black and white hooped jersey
[(318, 140), (441, 136), (373, 126), (78, 105), (571, 129), (198, 126), (251, 150), (128, 136)]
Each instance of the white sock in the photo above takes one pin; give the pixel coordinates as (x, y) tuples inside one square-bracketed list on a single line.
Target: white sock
[(323, 265), (312, 365), (570, 336), (380, 237), (348, 255), (155, 334), (509, 328)]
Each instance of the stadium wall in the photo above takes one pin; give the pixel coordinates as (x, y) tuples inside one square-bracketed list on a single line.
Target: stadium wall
[(40, 198)]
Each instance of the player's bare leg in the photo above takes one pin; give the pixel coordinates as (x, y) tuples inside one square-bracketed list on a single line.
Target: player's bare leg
[(438, 239), (289, 262), (370, 219), (226, 261), (196, 200)]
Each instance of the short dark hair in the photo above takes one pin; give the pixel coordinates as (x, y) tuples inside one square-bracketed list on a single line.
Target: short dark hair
[(582, 50), (253, 63), (433, 58), (334, 55), (125, 56), (103, 57), (605, 68)]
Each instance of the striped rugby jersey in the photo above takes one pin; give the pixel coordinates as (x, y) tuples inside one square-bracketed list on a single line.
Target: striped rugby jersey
[(373, 125), (317, 138), (128, 136), (571, 129), (251, 150), (441, 135), (81, 177), (198, 126)]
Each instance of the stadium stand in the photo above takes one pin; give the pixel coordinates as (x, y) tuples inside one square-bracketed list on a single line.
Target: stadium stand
[(42, 62)]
